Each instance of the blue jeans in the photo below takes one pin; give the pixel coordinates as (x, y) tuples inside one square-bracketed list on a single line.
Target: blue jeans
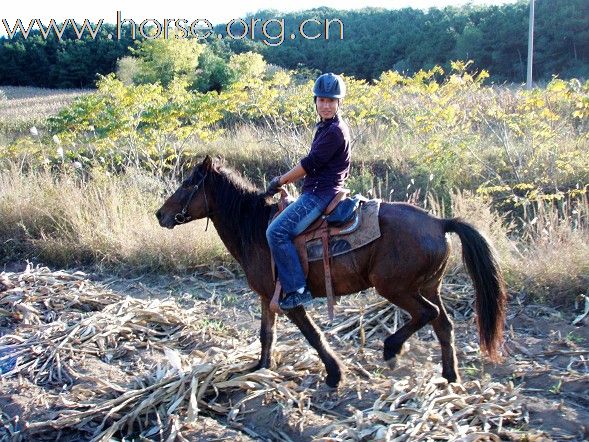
[(281, 232)]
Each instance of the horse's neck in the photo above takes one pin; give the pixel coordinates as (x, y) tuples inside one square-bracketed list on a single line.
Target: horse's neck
[(225, 224), (229, 237)]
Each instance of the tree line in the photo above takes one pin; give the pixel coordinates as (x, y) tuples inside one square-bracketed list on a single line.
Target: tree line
[(374, 40), (407, 40)]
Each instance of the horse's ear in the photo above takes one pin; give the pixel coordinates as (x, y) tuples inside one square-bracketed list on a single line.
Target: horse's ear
[(219, 161), (207, 162)]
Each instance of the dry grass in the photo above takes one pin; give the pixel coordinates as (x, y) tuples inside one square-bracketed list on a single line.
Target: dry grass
[(108, 366), (546, 258), (107, 220), (554, 261), (14, 93)]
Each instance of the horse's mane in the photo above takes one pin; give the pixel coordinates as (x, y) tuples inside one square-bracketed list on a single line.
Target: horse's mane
[(241, 205)]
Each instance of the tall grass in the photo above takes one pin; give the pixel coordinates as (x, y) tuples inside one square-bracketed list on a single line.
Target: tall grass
[(107, 221), (545, 256), (554, 263)]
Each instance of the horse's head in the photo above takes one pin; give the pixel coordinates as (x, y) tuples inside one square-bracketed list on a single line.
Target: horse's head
[(189, 201)]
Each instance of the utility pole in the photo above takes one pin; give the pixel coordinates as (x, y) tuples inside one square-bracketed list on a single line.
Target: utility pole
[(530, 46)]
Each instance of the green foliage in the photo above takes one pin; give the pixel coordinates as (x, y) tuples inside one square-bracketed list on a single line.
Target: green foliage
[(164, 60), (217, 74), (249, 67), (149, 118), (441, 129), (69, 63), (361, 182), (214, 73), (374, 41), (128, 69), (409, 40)]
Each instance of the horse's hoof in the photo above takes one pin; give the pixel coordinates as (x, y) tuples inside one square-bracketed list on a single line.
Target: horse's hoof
[(333, 381), (260, 365), (452, 378), (392, 362)]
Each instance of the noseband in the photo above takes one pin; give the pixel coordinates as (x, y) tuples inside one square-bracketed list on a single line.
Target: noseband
[(182, 217)]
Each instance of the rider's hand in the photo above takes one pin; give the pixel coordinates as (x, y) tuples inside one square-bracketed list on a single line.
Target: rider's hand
[(273, 186)]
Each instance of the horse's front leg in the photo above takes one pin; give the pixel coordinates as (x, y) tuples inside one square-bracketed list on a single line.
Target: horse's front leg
[(333, 365), (267, 334)]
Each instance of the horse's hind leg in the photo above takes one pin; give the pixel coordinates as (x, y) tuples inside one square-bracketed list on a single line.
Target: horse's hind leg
[(333, 366), (422, 312), (443, 327)]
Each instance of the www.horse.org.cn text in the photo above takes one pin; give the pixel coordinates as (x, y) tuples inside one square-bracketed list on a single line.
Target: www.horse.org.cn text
[(271, 31)]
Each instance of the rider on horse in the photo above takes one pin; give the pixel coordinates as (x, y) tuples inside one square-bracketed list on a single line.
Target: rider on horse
[(325, 169)]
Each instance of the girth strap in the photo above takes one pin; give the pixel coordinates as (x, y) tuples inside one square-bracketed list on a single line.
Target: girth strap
[(274, 307), (327, 270)]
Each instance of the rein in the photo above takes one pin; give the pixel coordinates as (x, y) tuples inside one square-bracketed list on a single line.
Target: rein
[(182, 217)]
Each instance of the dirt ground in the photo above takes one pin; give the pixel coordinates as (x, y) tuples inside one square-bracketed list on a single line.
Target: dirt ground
[(546, 363)]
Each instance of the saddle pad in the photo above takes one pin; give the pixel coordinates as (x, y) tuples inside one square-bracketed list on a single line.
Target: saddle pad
[(367, 231)]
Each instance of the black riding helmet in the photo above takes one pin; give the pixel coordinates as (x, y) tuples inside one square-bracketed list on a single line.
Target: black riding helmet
[(329, 85)]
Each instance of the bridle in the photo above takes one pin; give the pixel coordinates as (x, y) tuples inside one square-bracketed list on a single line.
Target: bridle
[(182, 217)]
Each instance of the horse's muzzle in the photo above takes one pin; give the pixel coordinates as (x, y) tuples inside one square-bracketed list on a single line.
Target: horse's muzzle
[(165, 221)]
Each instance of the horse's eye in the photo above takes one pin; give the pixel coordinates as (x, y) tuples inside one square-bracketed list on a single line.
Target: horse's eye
[(192, 180)]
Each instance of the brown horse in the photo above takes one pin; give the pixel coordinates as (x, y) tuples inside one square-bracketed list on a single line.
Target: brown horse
[(405, 265)]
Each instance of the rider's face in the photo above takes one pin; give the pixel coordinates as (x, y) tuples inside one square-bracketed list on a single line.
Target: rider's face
[(327, 107)]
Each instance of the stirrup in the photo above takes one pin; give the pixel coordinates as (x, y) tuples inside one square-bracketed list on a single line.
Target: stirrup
[(296, 299)]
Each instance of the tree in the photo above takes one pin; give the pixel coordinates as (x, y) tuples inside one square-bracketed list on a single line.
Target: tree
[(248, 67), (162, 60), (214, 73)]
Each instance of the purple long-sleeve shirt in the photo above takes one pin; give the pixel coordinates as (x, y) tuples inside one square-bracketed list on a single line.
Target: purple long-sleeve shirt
[(328, 163)]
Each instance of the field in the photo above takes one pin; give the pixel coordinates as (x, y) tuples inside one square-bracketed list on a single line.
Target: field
[(152, 334), (170, 358), (22, 108)]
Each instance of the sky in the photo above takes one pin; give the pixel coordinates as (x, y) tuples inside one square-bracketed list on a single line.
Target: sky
[(216, 12)]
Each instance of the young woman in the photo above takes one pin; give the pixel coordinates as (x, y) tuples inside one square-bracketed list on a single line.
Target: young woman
[(325, 169)]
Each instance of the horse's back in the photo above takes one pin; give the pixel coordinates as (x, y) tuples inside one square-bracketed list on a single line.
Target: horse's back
[(404, 217)]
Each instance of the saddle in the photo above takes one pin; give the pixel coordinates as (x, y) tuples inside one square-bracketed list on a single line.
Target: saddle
[(342, 217)]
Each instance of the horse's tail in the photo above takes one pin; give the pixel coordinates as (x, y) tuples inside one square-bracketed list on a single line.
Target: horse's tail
[(491, 295)]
